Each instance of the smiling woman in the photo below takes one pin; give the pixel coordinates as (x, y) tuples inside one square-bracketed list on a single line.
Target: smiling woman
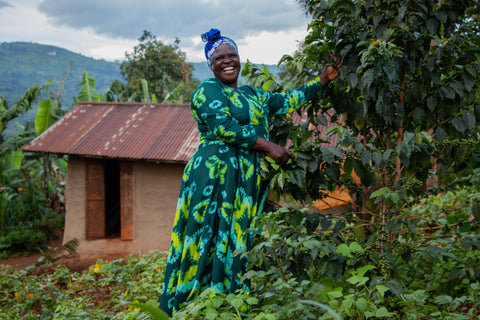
[(221, 192), (226, 65)]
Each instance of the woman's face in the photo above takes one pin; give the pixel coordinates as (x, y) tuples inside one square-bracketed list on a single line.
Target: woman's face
[(226, 65)]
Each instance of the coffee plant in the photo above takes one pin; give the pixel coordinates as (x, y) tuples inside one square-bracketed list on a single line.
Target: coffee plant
[(403, 139)]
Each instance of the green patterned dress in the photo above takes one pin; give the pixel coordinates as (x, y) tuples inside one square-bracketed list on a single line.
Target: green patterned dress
[(221, 191)]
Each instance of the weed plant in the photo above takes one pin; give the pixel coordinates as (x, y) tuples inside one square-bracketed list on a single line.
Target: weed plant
[(28, 220), (99, 292), (304, 265), (424, 263)]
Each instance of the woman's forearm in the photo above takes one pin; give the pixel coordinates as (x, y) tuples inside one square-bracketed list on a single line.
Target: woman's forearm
[(274, 151)]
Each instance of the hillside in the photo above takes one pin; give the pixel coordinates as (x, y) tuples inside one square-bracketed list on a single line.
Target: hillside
[(24, 64)]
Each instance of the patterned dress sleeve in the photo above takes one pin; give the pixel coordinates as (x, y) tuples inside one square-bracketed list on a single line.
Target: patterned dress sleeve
[(288, 102), (211, 109)]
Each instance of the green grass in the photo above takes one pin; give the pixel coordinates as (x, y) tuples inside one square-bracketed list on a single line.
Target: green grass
[(101, 291)]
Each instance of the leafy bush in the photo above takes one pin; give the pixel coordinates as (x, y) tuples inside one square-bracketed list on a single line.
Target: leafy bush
[(26, 223), (31, 186), (306, 265), (103, 291)]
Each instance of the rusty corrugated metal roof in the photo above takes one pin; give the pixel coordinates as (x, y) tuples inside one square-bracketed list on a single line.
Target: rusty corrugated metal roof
[(160, 132)]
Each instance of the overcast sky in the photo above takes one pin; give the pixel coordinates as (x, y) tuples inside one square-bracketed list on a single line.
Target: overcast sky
[(264, 30)]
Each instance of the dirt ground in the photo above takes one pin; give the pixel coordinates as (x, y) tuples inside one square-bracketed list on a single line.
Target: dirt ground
[(22, 261), (71, 261)]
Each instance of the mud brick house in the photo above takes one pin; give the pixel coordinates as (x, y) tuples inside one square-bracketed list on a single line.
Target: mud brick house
[(125, 166)]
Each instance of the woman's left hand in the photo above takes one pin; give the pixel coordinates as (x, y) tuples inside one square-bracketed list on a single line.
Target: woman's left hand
[(274, 151), (330, 72)]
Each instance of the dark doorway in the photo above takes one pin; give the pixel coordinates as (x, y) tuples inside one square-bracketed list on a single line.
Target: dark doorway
[(112, 198)]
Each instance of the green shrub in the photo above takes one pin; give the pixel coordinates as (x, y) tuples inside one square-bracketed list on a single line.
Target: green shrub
[(305, 265), (26, 223), (102, 291)]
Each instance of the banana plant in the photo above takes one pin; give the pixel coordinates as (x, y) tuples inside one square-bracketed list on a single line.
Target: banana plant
[(175, 95), (146, 93), (45, 116), (87, 91), (113, 93), (20, 107), (10, 153)]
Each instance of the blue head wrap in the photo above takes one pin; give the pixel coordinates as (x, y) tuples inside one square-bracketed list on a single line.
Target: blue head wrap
[(213, 39)]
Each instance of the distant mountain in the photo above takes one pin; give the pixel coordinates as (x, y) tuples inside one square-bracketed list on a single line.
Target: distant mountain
[(23, 64)]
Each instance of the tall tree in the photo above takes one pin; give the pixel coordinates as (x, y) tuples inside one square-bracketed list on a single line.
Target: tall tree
[(164, 67), (406, 105), (409, 84), (20, 107), (10, 152)]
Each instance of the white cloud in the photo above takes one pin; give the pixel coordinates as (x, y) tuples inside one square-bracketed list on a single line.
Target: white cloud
[(34, 27), (266, 47), (271, 46), (181, 18), (4, 4), (106, 29)]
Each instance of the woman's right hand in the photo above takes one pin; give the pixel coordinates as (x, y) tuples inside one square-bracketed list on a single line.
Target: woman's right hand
[(274, 151), (331, 72)]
